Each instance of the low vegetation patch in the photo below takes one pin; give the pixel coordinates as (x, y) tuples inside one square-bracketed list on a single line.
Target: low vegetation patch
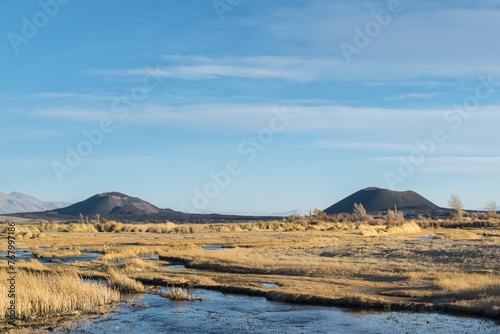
[(329, 260), (409, 227), (53, 294), (463, 282), (57, 253), (177, 294), (32, 265), (139, 265), (121, 282)]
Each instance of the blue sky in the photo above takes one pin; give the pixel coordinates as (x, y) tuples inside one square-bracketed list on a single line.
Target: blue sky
[(293, 104)]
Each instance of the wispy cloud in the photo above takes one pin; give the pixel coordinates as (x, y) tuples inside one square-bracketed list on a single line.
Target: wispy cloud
[(368, 146), (45, 162), (25, 134), (58, 96), (404, 148), (28, 163), (238, 118), (406, 96), (298, 69), (454, 164), (199, 67), (73, 113)]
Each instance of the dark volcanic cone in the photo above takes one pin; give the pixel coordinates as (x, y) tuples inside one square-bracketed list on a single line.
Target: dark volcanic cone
[(110, 204), (378, 200)]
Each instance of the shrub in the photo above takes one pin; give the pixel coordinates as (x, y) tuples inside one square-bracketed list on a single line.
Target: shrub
[(491, 207), (395, 216), (456, 204), (359, 211)]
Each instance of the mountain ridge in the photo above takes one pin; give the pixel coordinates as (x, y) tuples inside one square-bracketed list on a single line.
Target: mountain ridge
[(17, 202), (117, 206)]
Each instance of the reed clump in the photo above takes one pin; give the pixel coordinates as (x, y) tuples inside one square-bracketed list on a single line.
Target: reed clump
[(177, 294), (52, 294), (121, 282), (32, 265), (409, 227), (139, 265)]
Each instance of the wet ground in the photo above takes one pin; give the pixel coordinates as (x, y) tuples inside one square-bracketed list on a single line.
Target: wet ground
[(27, 255), (220, 314), (213, 247), (430, 237)]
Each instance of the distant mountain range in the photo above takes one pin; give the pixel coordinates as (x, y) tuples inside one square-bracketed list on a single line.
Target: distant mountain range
[(16, 203), (118, 206), (299, 212), (121, 207)]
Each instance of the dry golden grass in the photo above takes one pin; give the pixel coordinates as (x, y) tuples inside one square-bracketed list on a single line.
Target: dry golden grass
[(460, 282), (117, 253), (42, 295), (177, 294), (462, 235), (57, 253), (370, 231), (139, 265), (268, 260), (31, 265), (410, 227), (328, 263), (121, 282)]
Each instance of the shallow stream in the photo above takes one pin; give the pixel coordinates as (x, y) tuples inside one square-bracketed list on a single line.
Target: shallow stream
[(221, 313)]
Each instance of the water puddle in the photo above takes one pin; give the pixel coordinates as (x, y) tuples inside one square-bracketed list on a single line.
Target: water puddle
[(175, 266), (430, 237), (19, 253), (214, 247), (26, 255), (220, 313), (269, 285)]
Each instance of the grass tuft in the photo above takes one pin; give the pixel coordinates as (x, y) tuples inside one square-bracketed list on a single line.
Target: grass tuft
[(40, 295), (123, 283), (177, 294)]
